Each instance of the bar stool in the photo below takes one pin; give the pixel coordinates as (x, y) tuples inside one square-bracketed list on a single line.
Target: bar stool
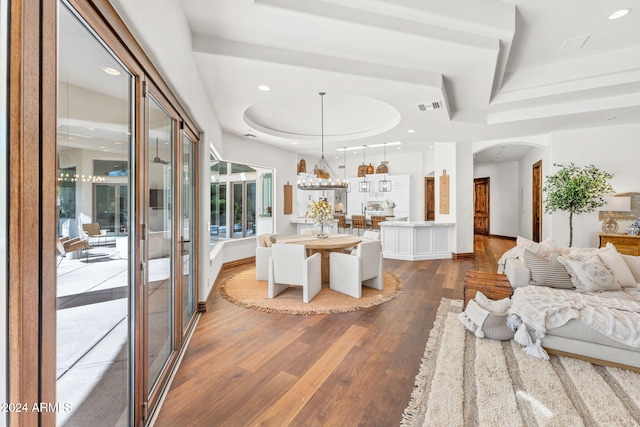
[(342, 222), (376, 220), (358, 222)]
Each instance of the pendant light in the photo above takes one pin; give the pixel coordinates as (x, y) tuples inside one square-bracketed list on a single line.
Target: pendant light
[(344, 166), (384, 185), (322, 176), (364, 184)]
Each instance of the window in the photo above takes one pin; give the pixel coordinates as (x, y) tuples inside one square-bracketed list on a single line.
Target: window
[(251, 190)]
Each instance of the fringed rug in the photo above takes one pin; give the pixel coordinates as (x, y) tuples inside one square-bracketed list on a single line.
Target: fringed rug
[(469, 381), (244, 290)]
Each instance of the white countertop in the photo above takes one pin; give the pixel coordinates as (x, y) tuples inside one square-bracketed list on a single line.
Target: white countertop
[(415, 224)]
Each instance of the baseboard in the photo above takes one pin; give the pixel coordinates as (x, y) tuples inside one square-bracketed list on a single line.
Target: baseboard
[(238, 262), (467, 255), (202, 305), (502, 237)]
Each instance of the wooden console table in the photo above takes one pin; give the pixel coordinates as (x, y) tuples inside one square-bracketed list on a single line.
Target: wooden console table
[(625, 244), (492, 285)]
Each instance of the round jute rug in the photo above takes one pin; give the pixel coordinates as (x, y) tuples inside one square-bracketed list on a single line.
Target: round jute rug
[(244, 290)]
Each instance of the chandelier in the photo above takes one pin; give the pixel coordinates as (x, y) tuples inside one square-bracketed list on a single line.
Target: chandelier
[(322, 176)]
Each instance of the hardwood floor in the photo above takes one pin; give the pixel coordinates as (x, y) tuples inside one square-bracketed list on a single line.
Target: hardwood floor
[(245, 367)]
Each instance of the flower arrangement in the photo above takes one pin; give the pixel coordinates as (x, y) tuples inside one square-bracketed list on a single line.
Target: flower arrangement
[(389, 204), (320, 212)]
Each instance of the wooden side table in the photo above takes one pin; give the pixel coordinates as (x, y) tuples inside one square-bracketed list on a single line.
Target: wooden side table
[(625, 244), (492, 285)]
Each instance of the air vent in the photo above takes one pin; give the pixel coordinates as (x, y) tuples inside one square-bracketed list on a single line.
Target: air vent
[(430, 106)]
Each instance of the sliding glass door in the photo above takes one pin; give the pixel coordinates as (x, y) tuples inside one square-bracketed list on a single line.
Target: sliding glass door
[(159, 287), (94, 287), (188, 230)]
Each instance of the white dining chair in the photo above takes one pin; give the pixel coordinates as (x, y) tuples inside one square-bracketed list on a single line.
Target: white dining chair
[(263, 253), (289, 265), (349, 273)]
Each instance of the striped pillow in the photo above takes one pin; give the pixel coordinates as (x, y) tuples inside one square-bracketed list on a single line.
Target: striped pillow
[(547, 271)]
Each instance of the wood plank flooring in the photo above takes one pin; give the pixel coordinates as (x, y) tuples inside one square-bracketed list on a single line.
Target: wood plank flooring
[(245, 367)]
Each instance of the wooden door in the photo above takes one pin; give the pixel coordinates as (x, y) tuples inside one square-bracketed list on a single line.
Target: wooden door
[(481, 206), (429, 199), (536, 202)]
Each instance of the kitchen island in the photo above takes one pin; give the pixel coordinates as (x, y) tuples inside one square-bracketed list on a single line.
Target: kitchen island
[(416, 240)]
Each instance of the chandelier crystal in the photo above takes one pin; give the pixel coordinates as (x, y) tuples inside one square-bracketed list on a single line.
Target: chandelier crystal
[(322, 176)]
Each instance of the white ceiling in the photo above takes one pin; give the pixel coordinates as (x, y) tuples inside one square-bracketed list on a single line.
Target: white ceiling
[(499, 69)]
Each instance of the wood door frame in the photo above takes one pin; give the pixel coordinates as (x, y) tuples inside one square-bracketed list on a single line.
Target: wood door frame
[(536, 201), (32, 94), (429, 196)]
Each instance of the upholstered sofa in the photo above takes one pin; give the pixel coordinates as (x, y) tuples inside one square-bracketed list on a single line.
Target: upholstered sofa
[(575, 338)]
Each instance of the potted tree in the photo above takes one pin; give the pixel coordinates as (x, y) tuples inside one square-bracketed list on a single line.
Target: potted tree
[(576, 190)]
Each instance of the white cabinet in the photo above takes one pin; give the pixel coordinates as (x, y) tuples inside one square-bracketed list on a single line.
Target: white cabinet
[(373, 199)]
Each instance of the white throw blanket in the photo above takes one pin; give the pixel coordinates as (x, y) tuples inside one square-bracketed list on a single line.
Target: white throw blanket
[(615, 314)]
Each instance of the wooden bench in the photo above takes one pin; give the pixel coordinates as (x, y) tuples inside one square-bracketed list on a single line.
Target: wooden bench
[(493, 285)]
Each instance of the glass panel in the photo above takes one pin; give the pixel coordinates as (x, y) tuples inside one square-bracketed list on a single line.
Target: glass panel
[(237, 209), (188, 231), (250, 207), (93, 289), (252, 192), (160, 242), (4, 303), (111, 202), (222, 209), (214, 226)]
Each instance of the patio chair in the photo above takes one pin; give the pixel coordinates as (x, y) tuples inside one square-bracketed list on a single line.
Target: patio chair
[(67, 245), (92, 230)]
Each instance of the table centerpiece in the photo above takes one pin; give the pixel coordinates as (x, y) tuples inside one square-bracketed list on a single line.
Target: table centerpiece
[(321, 214)]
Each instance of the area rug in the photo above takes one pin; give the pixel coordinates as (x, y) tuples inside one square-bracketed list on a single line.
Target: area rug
[(244, 290), (469, 381)]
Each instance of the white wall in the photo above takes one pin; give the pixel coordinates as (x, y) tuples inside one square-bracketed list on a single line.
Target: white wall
[(462, 192), (504, 196), (614, 149), (525, 195)]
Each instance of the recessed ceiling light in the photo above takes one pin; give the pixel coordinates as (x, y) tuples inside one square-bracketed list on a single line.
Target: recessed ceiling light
[(264, 88), (357, 147), (294, 142), (619, 14), (111, 71), (117, 142), (431, 146), (411, 131), (384, 144)]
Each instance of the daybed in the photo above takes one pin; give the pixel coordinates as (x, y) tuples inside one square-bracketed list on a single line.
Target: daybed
[(600, 326)]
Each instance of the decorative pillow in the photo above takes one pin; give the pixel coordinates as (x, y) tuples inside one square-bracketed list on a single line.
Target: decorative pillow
[(590, 275), (579, 254), (616, 264), (497, 307), (482, 322), (542, 249), (633, 262), (547, 271)]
